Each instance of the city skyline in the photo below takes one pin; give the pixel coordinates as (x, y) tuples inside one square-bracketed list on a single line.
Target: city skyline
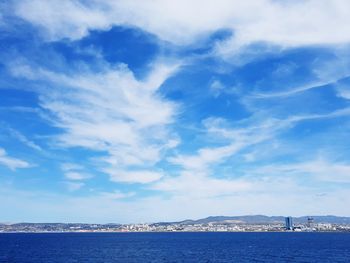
[(132, 111), (248, 223)]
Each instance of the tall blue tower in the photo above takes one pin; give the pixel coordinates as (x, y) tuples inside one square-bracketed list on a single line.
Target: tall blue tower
[(289, 223)]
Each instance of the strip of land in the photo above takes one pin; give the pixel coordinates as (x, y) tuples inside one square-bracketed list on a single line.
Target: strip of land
[(252, 223)]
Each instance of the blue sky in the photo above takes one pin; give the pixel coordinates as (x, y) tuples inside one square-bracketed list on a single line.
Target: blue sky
[(140, 111)]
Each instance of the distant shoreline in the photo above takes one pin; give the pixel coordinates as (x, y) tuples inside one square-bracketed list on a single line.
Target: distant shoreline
[(130, 232), (257, 223)]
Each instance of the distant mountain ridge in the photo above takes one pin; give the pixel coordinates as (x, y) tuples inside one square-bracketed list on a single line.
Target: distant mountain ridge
[(257, 219), (245, 219)]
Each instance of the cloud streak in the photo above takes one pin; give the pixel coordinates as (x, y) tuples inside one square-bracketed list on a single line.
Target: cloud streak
[(197, 170), (24, 139), (111, 112), (11, 162)]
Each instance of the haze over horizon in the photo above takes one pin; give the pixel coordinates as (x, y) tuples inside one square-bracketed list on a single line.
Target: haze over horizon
[(149, 111)]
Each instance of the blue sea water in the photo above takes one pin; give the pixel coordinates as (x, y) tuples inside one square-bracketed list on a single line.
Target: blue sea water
[(174, 247)]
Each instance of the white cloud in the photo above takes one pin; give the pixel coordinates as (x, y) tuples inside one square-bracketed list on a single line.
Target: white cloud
[(77, 176), (293, 91), (11, 162), (344, 112), (75, 172), (71, 166), (286, 24), (24, 139), (234, 139), (216, 88), (110, 111), (250, 132), (325, 73), (62, 18), (291, 24), (132, 176), (343, 91), (205, 157), (198, 170)]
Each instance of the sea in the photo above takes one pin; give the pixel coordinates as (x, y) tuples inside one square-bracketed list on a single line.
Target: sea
[(174, 247)]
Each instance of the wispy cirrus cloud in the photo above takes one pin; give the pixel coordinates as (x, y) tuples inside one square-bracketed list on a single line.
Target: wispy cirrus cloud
[(112, 112), (251, 131), (199, 169), (11, 162), (75, 172), (22, 138), (325, 74), (343, 90), (77, 176), (291, 92), (143, 176)]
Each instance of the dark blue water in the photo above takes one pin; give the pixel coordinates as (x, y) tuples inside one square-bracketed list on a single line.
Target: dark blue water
[(174, 247)]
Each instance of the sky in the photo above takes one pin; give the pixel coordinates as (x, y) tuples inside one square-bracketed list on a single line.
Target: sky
[(145, 111)]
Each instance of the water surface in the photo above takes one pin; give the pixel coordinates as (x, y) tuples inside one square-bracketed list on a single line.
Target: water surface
[(174, 247)]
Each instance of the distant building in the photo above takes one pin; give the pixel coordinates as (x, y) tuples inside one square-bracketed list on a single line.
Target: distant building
[(289, 223), (310, 222)]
